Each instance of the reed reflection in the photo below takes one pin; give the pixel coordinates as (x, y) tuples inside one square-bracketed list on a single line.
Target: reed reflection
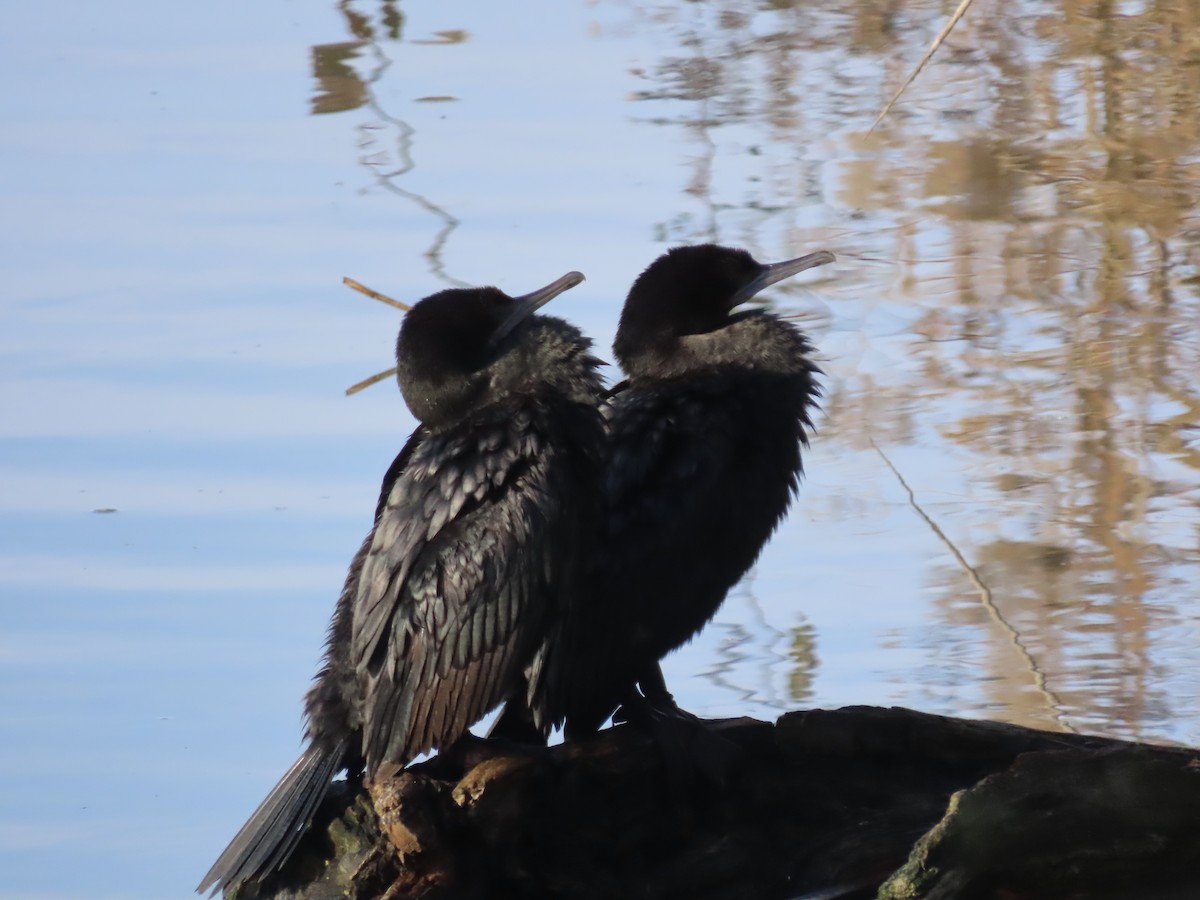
[(386, 142), (751, 653)]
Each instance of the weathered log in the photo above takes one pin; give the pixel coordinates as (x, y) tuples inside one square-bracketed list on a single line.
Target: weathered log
[(857, 802)]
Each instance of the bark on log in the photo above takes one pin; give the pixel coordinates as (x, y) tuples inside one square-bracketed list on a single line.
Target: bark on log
[(853, 803)]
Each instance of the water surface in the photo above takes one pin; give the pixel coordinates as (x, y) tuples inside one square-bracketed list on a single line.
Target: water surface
[(1000, 514)]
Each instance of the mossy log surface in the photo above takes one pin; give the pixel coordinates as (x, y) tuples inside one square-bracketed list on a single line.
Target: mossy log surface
[(852, 803)]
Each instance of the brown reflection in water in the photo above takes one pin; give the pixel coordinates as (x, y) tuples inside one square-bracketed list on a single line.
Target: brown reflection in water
[(752, 650), (1035, 193), (1124, 178), (340, 87), (386, 143), (804, 653)]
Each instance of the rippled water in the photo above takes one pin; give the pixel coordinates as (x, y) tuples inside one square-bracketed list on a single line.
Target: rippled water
[(1000, 517)]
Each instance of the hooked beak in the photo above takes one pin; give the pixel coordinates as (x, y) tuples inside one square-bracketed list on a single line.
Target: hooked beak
[(776, 272), (527, 304)]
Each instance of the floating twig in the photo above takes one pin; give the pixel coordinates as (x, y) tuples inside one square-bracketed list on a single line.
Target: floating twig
[(367, 382), (382, 298), (937, 42), (374, 295), (986, 600)]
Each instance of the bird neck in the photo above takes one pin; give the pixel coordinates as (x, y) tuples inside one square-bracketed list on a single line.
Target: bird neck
[(553, 360), (754, 341)]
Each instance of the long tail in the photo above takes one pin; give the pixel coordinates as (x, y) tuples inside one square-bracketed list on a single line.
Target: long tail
[(272, 832)]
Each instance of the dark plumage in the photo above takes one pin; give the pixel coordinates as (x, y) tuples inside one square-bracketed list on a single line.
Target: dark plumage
[(453, 599), (704, 442)]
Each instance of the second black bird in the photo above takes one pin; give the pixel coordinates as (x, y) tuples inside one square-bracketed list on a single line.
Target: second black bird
[(704, 444)]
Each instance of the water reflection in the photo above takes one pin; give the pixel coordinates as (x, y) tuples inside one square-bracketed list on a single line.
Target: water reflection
[(1014, 323), (386, 143), (768, 671), (1035, 195)]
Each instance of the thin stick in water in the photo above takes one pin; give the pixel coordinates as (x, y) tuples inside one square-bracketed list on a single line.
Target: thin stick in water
[(374, 295), (382, 298), (367, 382), (986, 599), (937, 42)]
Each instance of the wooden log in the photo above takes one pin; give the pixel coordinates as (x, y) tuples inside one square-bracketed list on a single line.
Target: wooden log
[(857, 802)]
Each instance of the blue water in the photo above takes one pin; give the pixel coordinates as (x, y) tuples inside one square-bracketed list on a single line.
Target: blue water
[(182, 480)]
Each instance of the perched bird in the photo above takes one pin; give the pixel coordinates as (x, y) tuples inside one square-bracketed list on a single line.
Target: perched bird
[(451, 602), (703, 461)]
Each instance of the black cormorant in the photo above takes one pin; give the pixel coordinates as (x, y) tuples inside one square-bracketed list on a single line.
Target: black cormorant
[(451, 601), (704, 459)]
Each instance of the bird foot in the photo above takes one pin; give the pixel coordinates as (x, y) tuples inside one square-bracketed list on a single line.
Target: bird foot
[(691, 750)]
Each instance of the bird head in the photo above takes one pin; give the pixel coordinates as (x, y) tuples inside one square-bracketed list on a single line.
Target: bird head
[(694, 290), (449, 340)]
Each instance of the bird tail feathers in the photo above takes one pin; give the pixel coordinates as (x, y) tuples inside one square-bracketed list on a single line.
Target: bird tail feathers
[(270, 835)]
